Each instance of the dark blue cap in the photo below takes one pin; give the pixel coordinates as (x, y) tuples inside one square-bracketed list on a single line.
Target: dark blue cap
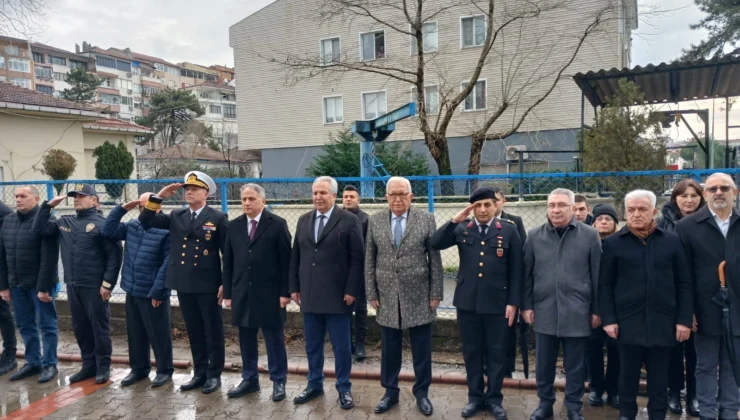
[(83, 189), (482, 194)]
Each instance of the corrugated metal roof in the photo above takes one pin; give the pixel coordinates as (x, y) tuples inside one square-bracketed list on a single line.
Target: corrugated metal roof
[(674, 82)]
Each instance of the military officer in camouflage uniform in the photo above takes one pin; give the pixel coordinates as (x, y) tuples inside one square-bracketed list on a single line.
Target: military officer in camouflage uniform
[(488, 292)]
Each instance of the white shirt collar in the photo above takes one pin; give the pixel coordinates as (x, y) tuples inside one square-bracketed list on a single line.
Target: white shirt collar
[(717, 217), (256, 219), (404, 216), (327, 214), (197, 212)]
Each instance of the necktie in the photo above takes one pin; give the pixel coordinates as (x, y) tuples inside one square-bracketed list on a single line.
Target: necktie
[(483, 229), (398, 232), (254, 229), (321, 227), (193, 216)]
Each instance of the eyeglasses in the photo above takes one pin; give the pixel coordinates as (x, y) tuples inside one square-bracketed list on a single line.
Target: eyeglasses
[(395, 196), (723, 188)]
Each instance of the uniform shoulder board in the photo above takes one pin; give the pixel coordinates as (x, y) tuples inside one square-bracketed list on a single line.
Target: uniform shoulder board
[(511, 222)]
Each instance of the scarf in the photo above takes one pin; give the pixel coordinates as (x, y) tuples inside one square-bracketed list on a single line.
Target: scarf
[(643, 234)]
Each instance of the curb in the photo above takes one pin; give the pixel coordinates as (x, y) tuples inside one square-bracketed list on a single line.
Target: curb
[(119, 360)]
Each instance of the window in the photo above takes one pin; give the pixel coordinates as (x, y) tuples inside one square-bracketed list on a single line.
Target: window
[(75, 64), (330, 51), (49, 90), (148, 90), (229, 111), (110, 99), (43, 72), (137, 104), (373, 105), (333, 110), (58, 60), (124, 84), (12, 50), (372, 45), (25, 83), (473, 30), (429, 37), (135, 70), (19, 64), (211, 78), (107, 82), (125, 100), (205, 95), (171, 84), (137, 88), (62, 77), (123, 66), (215, 109), (476, 100), (431, 99), (105, 62), (2, 62), (38, 57)]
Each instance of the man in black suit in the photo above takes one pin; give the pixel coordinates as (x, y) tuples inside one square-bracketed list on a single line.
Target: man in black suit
[(325, 275), (7, 325), (256, 261), (197, 238), (351, 203)]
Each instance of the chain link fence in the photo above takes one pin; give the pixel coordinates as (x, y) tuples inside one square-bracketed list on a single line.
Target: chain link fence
[(526, 197)]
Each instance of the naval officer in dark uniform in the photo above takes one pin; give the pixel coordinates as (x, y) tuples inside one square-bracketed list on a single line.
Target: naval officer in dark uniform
[(488, 293), (197, 238)]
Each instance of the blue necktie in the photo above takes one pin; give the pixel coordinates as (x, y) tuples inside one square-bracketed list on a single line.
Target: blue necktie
[(398, 232), (321, 227)]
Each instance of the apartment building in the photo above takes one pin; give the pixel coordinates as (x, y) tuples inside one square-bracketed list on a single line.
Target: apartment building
[(51, 66), (16, 64), (289, 122), (219, 102)]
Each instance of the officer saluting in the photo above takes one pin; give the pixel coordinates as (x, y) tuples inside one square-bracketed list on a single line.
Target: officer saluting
[(197, 237), (487, 295)]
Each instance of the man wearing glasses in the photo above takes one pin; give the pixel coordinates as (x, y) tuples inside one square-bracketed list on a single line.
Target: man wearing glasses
[(710, 236)]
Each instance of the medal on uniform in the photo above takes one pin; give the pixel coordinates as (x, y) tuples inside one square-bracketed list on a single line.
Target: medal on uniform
[(205, 252), (500, 252), (208, 236)]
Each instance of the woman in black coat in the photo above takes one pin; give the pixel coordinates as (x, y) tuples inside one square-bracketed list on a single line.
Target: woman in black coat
[(686, 198)]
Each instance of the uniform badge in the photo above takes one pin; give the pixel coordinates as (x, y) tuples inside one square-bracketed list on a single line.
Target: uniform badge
[(205, 252), (208, 236), (79, 187), (500, 252), (498, 225), (470, 224), (465, 233), (209, 226), (89, 227)]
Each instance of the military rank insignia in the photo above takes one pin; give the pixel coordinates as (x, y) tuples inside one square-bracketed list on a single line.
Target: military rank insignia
[(89, 227)]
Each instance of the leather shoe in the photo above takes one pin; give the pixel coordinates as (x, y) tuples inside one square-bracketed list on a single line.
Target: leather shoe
[(360, 351), (471, 409), (47, 374), (595, 399), (674, 402), (385, 404), (133, 378), (81, 376), (692, 407), (102, 377), (211, 385), (25, 372), (346, 401), (613, 400), (542, 412), (278, 391), (196, 382), (161, 379), (307, 395), (425, 406), (575, 415), (7, 364), (499, 413), (244, 388)]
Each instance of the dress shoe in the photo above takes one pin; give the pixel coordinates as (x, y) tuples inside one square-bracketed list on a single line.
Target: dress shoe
[(425, 406), (543, 412), (613, 400), (307, 395), (509, 375), (624, 418), (47, 374), (211, 385), (102, 377), (161, 379), (133, 378), (575, 415), (498, 412), (82, 375), (7, 364), (385, 404), (346, 401), (706, 418), (674, 402), (471, 409), (595, 399), (278, 391), (25, 372), (692, 407), (360, 351), (244, 388), (196, 382)]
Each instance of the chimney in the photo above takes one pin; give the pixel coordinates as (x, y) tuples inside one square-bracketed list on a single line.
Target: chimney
[(77, 48), (127, 51)]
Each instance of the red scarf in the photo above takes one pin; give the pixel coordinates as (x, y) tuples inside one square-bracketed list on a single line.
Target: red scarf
[(644, 234)]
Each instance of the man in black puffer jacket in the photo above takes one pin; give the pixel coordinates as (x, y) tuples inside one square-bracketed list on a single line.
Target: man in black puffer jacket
[(7, 326), (91, 263), (29, 275)]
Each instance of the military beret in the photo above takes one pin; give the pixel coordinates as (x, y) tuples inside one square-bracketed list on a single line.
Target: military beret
[(482, 194)]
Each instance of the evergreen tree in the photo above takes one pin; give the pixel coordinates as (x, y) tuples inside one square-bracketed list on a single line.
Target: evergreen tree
[(170, 113), (722, 21), (84, 86), (113, 162)]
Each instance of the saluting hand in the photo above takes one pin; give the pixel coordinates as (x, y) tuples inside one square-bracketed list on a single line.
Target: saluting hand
[(56, 200), (130, 205), (460, 217), (169, 190), (511, 314)]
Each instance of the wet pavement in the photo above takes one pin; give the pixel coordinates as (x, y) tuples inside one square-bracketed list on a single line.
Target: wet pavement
[(58, 400)]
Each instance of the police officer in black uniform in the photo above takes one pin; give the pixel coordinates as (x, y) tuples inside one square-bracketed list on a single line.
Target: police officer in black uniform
[(91, 263), (197, 238), (487, 295)]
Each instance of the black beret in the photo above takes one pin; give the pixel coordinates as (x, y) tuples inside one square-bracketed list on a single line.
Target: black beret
[(605, 209), (482, 194)]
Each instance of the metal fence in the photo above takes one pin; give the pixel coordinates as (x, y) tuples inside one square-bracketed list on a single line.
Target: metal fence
[(444, 196)]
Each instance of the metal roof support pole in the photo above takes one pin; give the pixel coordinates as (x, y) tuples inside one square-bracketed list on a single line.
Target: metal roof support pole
[(583, 133), (727, 132)]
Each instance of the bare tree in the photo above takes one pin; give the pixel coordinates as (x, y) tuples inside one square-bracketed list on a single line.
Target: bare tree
[(22, 17), (524, 44)]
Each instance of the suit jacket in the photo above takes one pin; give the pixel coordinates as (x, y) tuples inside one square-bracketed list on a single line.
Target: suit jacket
[(404, 280), (195, 247), (491, 266), (519, 225), (324, 271), (363, 221), (256, 272), (705, 248)]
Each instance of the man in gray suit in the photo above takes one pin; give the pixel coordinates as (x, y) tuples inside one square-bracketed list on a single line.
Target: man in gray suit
[(561, 274), (403, 275)]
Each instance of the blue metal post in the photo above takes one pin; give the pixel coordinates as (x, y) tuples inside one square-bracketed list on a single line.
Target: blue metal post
[(430, 195), (367, 188), (224, 198), (49, 191)]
